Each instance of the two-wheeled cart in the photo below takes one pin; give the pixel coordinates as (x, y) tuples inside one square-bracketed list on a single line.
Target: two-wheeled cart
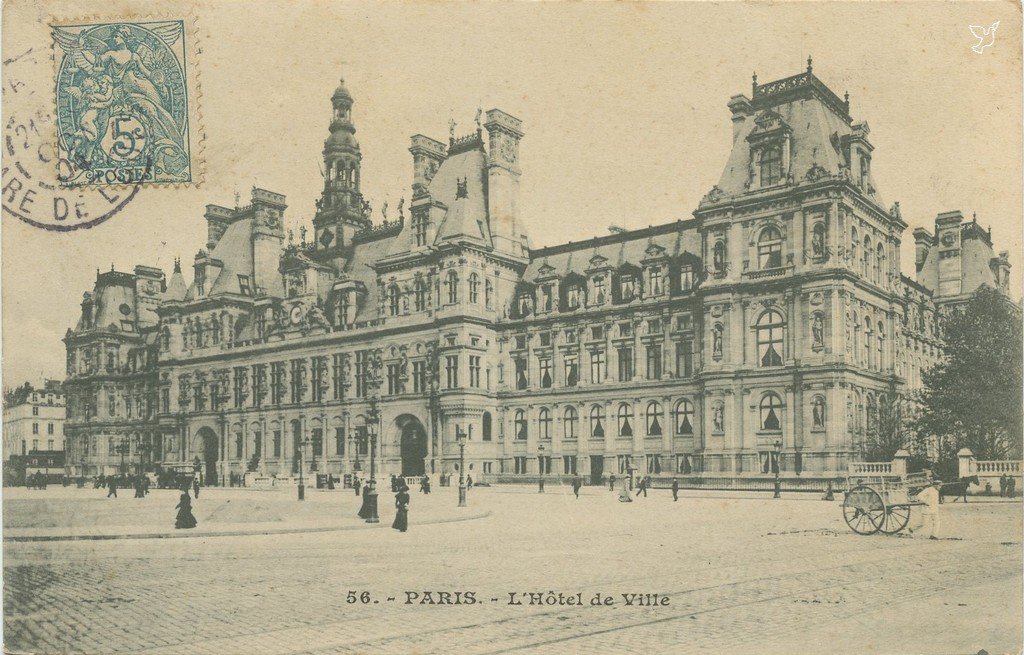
[(881, 503)]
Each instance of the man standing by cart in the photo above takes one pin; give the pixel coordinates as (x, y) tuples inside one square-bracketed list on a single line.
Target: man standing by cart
[(929, 497)]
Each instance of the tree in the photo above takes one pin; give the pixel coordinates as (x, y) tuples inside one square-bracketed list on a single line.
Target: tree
[(890, 429), (973, 398)]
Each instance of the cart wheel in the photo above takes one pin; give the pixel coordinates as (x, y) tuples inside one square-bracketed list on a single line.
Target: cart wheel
[(896, 518), (864, 510)]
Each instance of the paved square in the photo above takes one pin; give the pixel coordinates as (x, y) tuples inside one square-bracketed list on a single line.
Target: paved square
[(742, 574)]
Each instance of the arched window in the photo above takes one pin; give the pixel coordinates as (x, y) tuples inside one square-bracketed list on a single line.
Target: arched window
[(488, 294), (625, 418), (867, 341), (770, 333), (880, 264), (771, 165), (718, 257), (853, 246), (574, 296), (474, 288), (520, 424), (771, 408), (452, 282), (597, 421), (867, 256), (544, 423), (818, 413), (487, 426), (769, 248), (880, 337), (654, 419), (393, 300), (420, 296), (569, 423), (215, 329), (684, 417)]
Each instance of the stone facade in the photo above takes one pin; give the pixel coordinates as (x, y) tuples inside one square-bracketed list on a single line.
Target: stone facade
[(773, 327)]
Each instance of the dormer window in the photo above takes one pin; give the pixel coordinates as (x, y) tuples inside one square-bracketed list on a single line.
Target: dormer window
[(452, 282), (771, 165), (474, 288), (685, 278), (243, 285), (547, 297), (627, 287), (656, 281), (420, 296), (574, 296), (599, 289), (525, 303), (393, 300), (769, 248), (419, 226)]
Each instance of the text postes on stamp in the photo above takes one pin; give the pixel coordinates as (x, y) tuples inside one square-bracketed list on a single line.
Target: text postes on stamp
[(122, 104)]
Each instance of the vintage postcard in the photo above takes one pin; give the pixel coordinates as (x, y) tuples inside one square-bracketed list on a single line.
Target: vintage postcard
[(529, 327)]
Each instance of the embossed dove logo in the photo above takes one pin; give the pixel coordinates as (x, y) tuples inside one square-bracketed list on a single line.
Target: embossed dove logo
[(986, 36)]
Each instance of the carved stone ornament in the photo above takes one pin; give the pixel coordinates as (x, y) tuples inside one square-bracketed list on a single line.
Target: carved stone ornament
[(815, 172)]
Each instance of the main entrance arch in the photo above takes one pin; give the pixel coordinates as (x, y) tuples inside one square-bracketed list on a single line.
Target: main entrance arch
[(413, 445), (210, 449)]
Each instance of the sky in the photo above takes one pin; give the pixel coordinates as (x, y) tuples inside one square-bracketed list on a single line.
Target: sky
[(623, 108)]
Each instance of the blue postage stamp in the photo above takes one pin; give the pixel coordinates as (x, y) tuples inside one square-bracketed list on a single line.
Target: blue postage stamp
[(123, 103)]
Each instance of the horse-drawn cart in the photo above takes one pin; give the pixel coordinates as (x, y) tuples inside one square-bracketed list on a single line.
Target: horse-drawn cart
[(876, 503)]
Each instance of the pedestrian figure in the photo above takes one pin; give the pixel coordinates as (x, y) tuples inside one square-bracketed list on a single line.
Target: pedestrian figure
[(641, 487), (366, 488), (675, 489), (576, 484), (425, 484), (1011, 486), (112, 488), (356, 485), (330, 482), (469, 481), (139, 493), (185, 519), (611, 482), (195, 487), (401, 522), (1002, 485), (929, 523), (624, 491), (145, 485)]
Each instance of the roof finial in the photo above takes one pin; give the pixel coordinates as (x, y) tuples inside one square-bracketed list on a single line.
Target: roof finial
[(238, 199), (846, 97), (177, 264), (754, 84), (810, 64), (451, 128)]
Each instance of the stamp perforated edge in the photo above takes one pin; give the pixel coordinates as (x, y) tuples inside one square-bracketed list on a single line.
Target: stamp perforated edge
[(197, 130)]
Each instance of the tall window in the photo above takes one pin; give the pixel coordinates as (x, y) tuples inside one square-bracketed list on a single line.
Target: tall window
[(625, 354), (451, 368), (545, 372), (656, 281), (598, 366), (879, 264), (572, 373), (393, 300), (241, 385), (474, 371), (654, 362), (570, 422), (394, 379), (770, 331), (881, 345), (867, 256), (420, 296), (419, 377), (597, 421), (319, 369), (769, 248), (488, 294), (853, 245), (653, 419), (685, 278), (599, 290), (684, 417), (336, 376), (574, 296), (771, 409), (419, 222), (544, 423), (339, 441), (520, 424), (521, 380), (684, 358), (625, 420), (867, 341), (452, 282), (298, 380), (771, 165), (474, 288), (487, 426)]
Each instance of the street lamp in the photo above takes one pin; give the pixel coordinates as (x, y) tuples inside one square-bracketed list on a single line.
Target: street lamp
[(778, 466), (302, 481), (370, 497), (123, 449), (540, 465), (460, 438)]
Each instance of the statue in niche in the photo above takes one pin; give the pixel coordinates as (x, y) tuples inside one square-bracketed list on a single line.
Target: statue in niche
[(818, 412), (716, 340), (818, 331), (818, 242), (718, 418)]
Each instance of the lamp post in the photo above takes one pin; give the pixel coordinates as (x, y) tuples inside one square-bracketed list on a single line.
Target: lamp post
[(778, 466), (540, 466), (370, 497), (302, 480), (460, 438), (123, 449)]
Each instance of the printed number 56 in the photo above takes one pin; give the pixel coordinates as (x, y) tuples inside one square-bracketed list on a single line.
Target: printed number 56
[(363, 598)]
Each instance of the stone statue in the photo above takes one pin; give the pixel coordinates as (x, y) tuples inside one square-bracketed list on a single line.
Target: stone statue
[(818, 331), (716, 340), (818, 412), (718, 418), (818, 243)]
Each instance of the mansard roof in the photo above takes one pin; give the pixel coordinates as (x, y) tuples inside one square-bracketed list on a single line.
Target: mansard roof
[(676, 239)]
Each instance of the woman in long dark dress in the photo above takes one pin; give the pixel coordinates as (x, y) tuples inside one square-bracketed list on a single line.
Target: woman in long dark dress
[(401, 510), (185, 518)]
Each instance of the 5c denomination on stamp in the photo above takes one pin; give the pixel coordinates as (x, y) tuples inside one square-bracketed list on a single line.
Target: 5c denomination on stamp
[(122, 103)]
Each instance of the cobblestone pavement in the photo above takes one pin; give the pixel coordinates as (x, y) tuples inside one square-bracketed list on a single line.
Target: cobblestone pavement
[(742, 574)]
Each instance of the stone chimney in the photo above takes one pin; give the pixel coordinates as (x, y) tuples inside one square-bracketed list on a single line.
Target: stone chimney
[(427, 155)]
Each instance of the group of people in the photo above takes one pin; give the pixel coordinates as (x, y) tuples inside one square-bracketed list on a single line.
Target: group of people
[(1007, 486)]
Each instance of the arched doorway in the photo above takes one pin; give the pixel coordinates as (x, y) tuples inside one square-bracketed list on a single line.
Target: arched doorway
[(210, 449), (413, 445)]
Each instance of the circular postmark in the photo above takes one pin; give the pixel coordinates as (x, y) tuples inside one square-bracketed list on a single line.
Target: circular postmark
[(31, 190)]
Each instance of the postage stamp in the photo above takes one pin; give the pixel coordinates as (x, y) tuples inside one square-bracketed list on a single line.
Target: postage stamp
[(122, 103)]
